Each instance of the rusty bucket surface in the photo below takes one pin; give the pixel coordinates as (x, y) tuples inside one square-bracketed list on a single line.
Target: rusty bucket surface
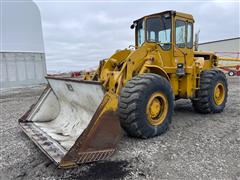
[(73, 122)]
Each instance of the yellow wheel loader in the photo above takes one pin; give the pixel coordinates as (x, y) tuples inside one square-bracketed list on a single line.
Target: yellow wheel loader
[(81, 120)]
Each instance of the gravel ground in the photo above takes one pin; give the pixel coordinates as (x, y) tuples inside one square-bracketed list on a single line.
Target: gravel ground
[(196, 146)]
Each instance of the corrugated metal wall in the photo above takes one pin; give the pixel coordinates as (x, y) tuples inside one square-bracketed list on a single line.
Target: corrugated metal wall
[(227, 47), (21, 69)]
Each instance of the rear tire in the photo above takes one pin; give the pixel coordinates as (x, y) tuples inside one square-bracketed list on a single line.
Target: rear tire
[(212, 96), (146, 106)]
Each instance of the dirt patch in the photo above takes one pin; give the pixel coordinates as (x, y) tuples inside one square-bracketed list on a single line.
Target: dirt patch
[(105, 170)]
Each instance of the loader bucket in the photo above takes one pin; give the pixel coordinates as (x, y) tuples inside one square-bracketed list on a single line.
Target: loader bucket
[(73, 122)]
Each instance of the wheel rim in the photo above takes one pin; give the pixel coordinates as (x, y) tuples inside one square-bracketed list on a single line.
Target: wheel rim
[(157, 108), (219, 93)]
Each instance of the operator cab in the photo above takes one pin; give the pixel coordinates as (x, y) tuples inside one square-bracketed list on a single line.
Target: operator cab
[(173, 32), (159, 28)]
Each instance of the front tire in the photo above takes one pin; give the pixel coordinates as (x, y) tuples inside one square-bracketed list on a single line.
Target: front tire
[(212, 96), (146, 106)]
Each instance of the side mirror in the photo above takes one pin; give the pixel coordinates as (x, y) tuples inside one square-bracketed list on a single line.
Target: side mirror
[(132, 26)]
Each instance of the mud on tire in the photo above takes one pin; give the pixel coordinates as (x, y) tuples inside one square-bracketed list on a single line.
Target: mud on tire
[(133, 101)]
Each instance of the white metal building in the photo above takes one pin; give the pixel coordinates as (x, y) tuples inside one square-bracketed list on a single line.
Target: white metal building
[(225, 47), (22, 56)]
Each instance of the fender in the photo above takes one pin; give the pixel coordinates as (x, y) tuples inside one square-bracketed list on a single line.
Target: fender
[(157, 70)]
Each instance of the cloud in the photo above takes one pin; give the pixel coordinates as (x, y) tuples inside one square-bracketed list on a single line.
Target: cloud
[(77, 35)]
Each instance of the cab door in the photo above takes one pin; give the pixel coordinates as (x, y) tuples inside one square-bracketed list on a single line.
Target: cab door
[(183, 50), (183, 54)]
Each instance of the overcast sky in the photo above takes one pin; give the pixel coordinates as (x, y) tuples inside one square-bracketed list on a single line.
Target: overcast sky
[(79, 34)]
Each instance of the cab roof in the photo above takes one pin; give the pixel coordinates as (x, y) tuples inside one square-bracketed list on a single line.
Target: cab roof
[(172, 12)]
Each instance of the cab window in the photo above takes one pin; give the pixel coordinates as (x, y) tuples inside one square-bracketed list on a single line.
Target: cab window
[(180, 36), (189, 35), (153, 27), (159, 30), (140, 33)]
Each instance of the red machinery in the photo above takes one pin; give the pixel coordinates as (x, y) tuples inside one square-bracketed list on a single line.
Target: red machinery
[(231, 69)]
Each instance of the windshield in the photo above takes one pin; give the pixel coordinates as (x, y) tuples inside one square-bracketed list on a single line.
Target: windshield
[(158, 29)]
